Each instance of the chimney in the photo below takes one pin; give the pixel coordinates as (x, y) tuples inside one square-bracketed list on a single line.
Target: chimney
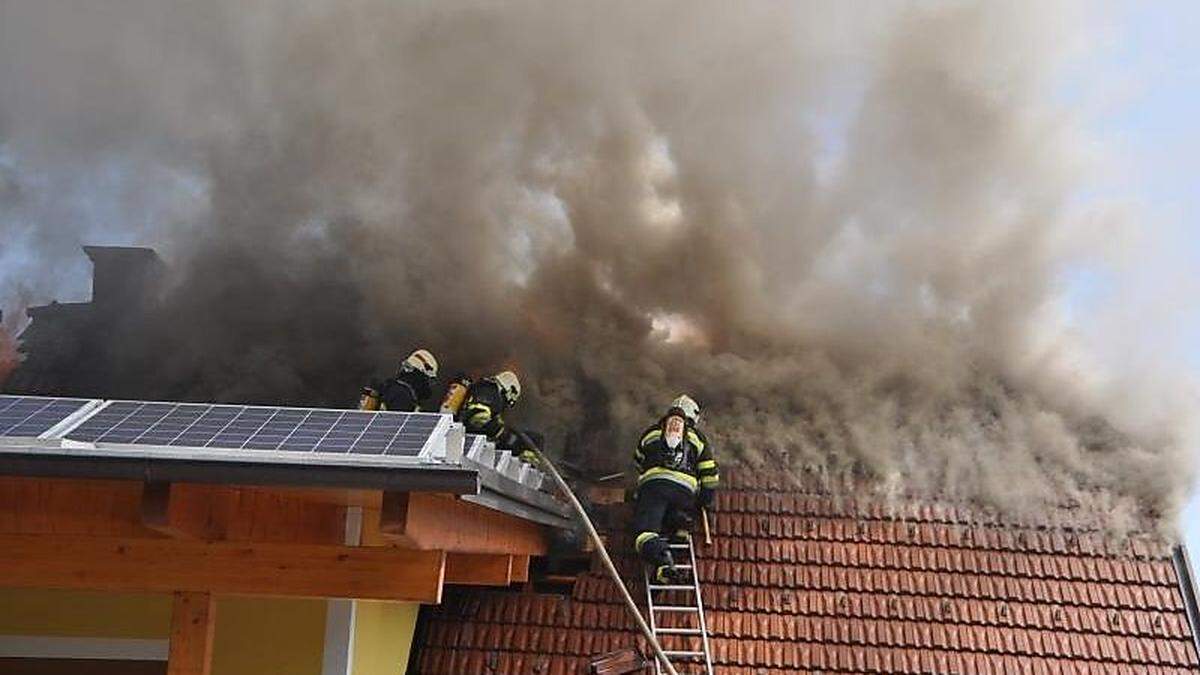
[(124, 276)]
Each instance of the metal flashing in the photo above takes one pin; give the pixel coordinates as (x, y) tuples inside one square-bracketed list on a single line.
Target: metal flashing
[(491, 479), (450, 437), (509, 466), (504, 503), (480, 450)]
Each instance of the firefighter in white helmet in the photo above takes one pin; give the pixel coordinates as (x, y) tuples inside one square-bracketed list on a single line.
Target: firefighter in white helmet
[(483, 412), (411, 386), (677, 474)]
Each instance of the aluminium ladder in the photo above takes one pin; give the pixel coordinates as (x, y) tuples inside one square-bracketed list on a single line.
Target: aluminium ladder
[(688, 635)]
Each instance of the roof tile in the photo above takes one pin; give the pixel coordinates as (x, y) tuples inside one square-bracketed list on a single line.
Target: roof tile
[(796, 583)]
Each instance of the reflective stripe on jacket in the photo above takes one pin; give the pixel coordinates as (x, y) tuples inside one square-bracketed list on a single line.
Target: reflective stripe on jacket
[(691, 465)]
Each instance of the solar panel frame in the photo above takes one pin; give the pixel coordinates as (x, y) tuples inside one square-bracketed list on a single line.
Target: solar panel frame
[(247, 430), (37, 417), (314, 460)]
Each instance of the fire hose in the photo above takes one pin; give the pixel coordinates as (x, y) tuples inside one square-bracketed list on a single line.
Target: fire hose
[(604, 557)]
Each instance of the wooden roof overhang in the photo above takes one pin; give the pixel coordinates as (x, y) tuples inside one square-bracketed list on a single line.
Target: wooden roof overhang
[(125, 535), (103, 516)]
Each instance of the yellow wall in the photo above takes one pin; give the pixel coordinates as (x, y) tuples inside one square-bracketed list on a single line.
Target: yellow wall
[(256, 636), (84, 614), (383, 633)]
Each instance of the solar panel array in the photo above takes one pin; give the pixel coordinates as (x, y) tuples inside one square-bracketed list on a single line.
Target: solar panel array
[(197, 425), (31, 416), (199, 432)]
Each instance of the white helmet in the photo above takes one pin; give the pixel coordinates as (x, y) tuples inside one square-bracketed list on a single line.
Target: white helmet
[(421, 361), (510, 386), (689, 408)]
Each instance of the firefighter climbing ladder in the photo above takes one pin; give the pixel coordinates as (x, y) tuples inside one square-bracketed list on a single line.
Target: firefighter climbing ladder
[(697, 632), (661, 659)]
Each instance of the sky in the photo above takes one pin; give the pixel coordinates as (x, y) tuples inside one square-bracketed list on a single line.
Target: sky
[(1143, 103)]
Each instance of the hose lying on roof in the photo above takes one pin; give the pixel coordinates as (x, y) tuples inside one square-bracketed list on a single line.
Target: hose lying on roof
[(604, 558)]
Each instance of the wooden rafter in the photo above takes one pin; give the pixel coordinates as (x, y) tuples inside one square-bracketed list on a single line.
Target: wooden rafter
[(479, 569), (520, 568), (433, 521)]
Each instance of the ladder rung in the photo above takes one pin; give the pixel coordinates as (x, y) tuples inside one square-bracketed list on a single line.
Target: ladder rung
[(679, 631), (685, 655), (675, 608), (656, 587)]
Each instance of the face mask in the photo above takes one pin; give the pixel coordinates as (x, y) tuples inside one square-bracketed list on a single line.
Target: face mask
[(673, 433)]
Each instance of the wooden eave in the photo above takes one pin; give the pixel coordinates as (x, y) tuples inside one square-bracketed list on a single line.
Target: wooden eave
[(122, 535)]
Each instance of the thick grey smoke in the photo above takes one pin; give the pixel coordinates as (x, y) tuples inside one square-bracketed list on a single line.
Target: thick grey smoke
[(843, 229)]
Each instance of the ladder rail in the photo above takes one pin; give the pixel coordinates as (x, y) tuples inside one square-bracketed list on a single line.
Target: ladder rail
[(650, 617), (700, 632), (700, 605)]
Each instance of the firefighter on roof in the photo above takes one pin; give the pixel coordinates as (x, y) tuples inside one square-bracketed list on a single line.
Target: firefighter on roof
[(483, 412), (678, 474), (404, 392)]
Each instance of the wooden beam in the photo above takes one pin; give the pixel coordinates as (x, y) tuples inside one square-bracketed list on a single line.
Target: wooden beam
[(254, 513), (429, 521), (110, 508), (520, 568), (69, 506), (166, 565), (478, 569), (192, 621)]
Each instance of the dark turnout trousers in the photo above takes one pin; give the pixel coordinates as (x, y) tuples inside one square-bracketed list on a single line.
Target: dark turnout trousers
[(662, 506)]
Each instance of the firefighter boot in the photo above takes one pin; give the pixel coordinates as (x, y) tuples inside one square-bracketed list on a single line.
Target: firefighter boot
[(664, 571)]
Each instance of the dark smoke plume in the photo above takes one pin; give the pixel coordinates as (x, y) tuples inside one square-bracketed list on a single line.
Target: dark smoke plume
[(841, 228)]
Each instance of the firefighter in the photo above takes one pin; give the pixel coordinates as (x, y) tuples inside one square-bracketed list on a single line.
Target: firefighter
[(678, 475), (483, 412), (407, 390)]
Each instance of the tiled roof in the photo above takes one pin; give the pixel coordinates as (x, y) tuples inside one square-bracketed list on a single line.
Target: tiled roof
[(799, 582)]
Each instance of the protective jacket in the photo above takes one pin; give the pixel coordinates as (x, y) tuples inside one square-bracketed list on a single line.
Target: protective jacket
[(691, 464), (483, 413), (405, 392)]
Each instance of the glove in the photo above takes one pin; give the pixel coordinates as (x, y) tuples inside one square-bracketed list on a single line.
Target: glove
[(522, 449), (704, 499), (529, 457)]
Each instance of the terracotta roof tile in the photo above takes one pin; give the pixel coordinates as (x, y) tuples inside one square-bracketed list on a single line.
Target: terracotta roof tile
[(800, 582)]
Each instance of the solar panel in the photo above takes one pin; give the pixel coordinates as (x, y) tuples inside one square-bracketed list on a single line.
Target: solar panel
[(197, 425), (32, 416)]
